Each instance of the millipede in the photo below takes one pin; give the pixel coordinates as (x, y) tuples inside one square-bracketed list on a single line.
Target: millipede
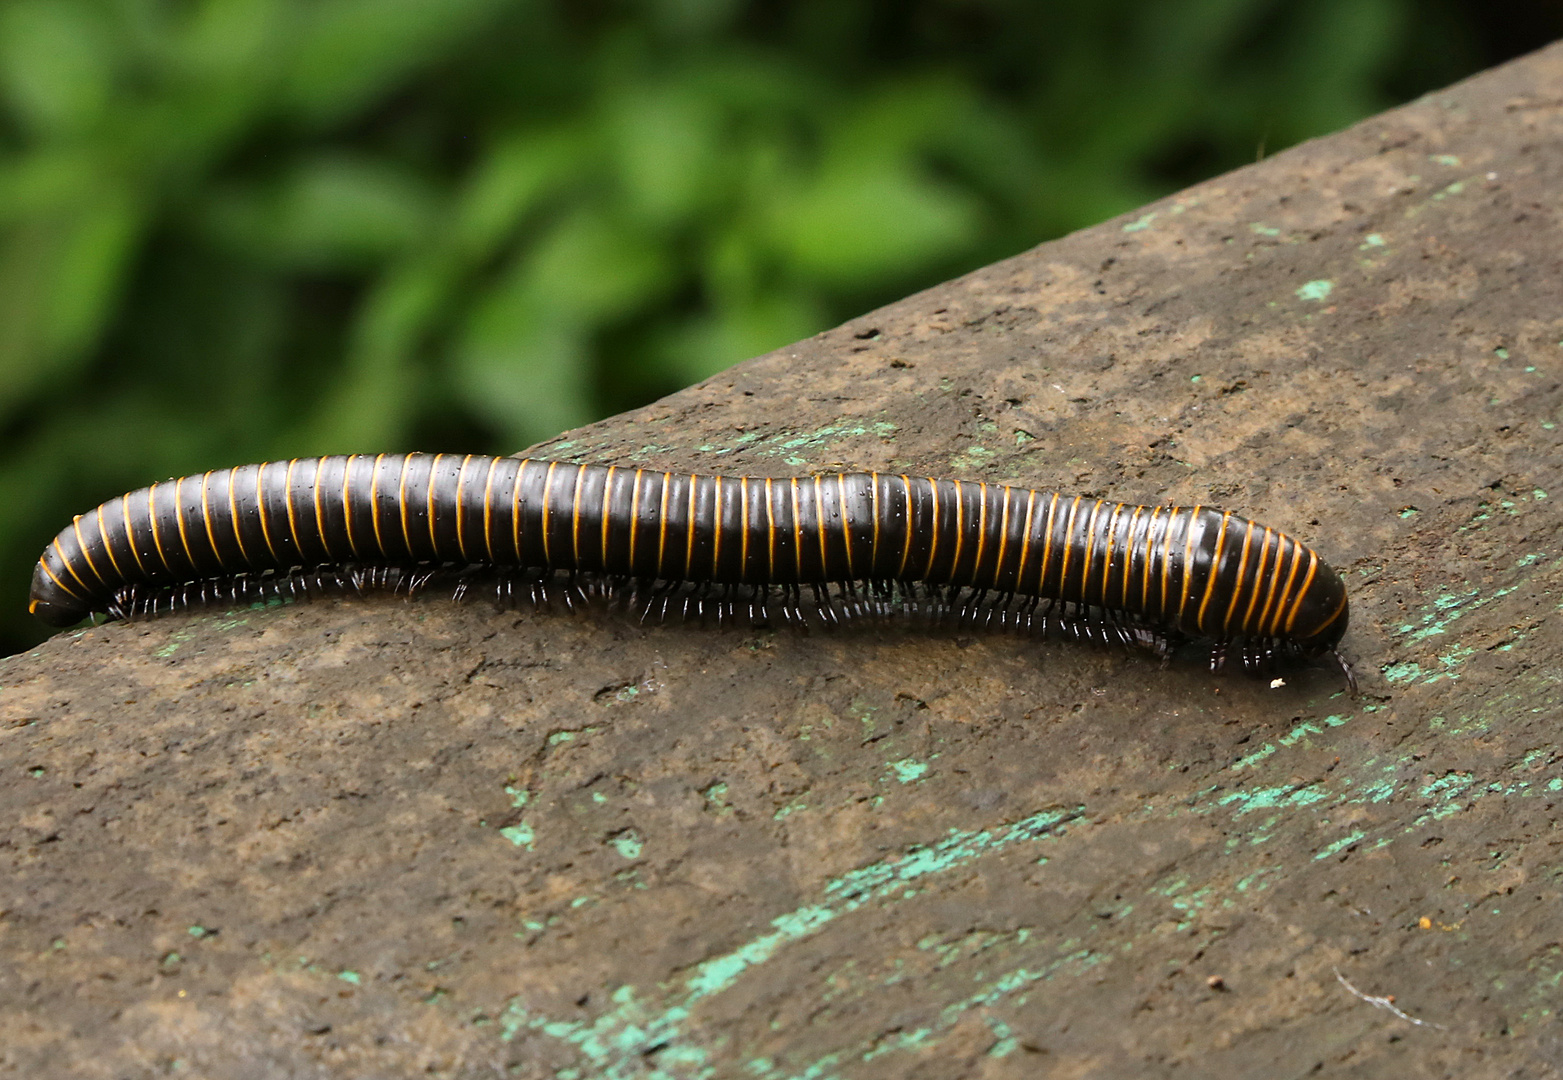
[(800, 549)]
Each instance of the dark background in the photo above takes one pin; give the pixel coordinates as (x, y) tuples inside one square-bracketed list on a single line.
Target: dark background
[(246, 229)]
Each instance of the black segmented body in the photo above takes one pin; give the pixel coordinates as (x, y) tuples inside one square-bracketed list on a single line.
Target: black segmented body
[(1139, 574)]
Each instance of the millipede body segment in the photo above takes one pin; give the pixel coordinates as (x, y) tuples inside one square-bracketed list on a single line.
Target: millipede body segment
[(1146, 575)]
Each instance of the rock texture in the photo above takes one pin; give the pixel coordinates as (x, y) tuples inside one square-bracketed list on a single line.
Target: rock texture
[(374, 838)]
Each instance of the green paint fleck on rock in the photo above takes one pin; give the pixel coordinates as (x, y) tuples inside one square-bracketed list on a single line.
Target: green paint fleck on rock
[(519, 834), (1340, 845), (1143, 222), (908, 770), (1315, 290), (1403, 672), (628, 844), (176, 639)]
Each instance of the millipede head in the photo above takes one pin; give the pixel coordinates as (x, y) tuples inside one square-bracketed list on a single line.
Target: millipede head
[(51, 602), (1322, 614)]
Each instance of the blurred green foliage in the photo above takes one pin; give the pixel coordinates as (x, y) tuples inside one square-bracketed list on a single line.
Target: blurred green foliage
[(240, 229)]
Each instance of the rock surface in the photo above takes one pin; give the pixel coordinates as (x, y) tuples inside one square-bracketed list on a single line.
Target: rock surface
[(374, 838)]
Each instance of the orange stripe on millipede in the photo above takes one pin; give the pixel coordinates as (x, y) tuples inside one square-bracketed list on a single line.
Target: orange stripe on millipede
[(434, 472), (960, 529), (1107, 554), (1166, 558), (374, 503), (933, 529), (689, 543), (1248, 626), (607, 501), (548, 483), (846, 531), (575, 518), (461, 509), (1237, 580), (770, 533), (157, 539), (82, 544), (716, 529), (1128, 554), (1069, 543), (1291, 618), (67, 564), (130, 535), (320, 514), (260, 506), (206, 520), (1090, 549), (1276, 601), (662, 531), (1188, 562), (287, 498), (906, 547), (1150, 555), (1272, 585), (1340, 608), (179, 519), (634, 517), (982, 531), (998, 559), (743, 516), (873, 515), (1025, 539), (1215, 567), (401, 503), (819, 527), (797, 533), (347, 504), (515, 508), (488, 510), (108, 545), (1047, 543), (233, 514)]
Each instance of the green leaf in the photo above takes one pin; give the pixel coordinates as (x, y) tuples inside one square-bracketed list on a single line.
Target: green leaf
[(590, 268), (327, 213), (351, 51), (524, 362), (59, 281), (513, 180), (225, 41), (666, 151), (523, 370), (56, 64), (860, 222)]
